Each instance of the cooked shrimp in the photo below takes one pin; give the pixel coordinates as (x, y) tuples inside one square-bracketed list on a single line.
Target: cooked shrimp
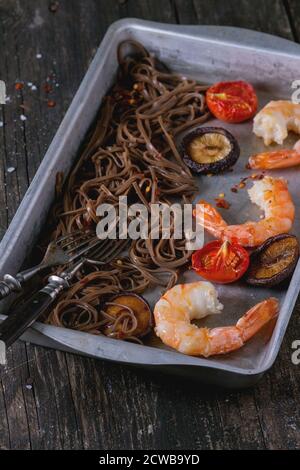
[(183, 303), (274, 121), (272, 196), (283, 158)]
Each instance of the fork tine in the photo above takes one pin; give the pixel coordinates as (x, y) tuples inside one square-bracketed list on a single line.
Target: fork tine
[(115, 251), (73, 239), (107, 251), (68, 235), (100, 249), (85, 249), (75, 246), (79, 243)]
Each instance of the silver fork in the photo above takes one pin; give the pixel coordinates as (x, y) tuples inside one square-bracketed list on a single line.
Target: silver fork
[(99, 252), (59, 252)]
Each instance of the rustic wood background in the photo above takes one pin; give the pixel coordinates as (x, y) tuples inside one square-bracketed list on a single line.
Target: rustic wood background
[(52, 400)]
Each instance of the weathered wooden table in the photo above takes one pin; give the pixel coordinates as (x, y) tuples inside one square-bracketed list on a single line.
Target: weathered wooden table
[(52, 400)]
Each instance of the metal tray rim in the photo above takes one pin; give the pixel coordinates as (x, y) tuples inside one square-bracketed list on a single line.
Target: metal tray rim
[(222, 35), (177, 358)]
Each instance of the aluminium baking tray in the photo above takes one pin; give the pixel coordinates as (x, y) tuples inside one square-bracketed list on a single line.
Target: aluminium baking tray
[(209, 54)]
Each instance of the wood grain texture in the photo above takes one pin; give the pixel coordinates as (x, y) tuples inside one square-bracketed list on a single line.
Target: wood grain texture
[(293, 11), (53, 400), (268, 16)]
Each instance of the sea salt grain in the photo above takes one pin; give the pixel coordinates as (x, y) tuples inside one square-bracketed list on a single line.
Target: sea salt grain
[(11, 169), (39, 56), (1, 123), (150, 429), (33, 88), (23, 117)]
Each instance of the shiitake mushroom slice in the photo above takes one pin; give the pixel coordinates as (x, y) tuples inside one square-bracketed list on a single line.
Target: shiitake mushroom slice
[(210, 150), (274, 261), (119, 304)]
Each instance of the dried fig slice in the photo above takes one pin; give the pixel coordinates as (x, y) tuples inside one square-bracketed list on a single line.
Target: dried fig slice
[(210, 150), (274, 261), (122, 305)]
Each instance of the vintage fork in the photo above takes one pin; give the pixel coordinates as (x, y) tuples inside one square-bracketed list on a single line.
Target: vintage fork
[(102, 252), (59, 252)]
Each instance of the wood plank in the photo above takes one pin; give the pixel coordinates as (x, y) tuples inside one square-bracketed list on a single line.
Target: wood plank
[(277, 395), (123, 408), (292, 8), (53, 400), (252, 15), (13, 389), (22, 32)]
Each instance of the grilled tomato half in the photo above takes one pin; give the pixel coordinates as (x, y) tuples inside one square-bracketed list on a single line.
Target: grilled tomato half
[(221, 262), (232, 101)]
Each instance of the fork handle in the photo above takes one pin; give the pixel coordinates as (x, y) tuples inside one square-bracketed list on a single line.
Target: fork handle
[(25, 315), (9, 284), (15, 283)]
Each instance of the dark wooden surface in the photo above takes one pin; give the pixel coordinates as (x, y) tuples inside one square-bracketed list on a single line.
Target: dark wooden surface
[(52, 400)]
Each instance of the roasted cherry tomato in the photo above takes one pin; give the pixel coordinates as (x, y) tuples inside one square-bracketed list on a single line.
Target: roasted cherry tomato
[(232, 101), (221, 262)]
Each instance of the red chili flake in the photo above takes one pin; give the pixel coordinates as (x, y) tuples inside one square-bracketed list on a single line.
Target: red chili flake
[(242, 185), (259, 177), (47, 88), (51, 103), (234, 189), (248, 167), (19, 85), (222, 203)]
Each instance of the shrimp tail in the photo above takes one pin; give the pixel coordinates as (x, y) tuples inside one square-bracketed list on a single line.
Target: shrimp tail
[(272, 196), (284, 158), (257, 317), (229, 338), (209, 218)]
